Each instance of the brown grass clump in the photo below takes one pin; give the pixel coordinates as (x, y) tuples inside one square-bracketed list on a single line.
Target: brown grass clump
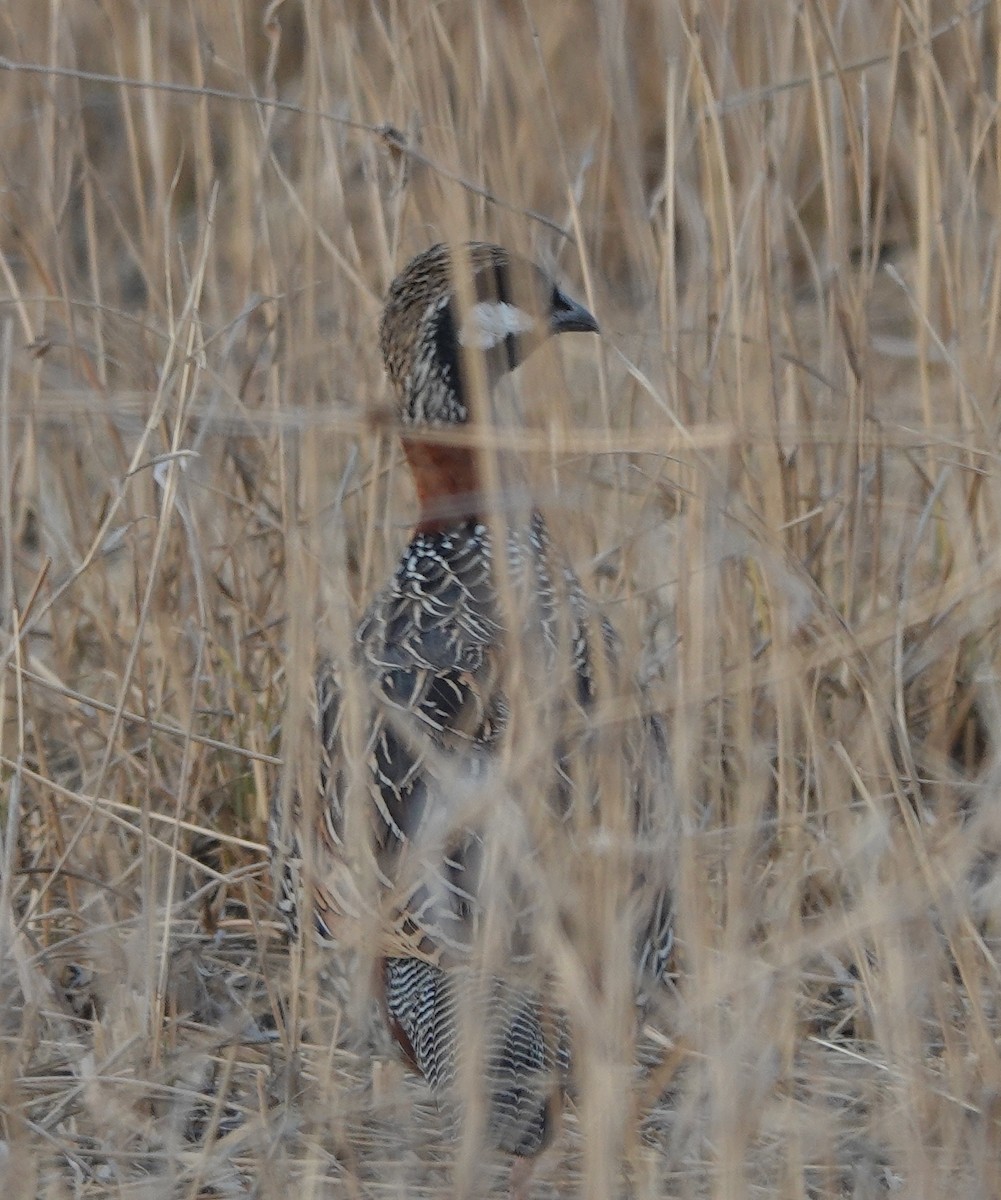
[(779, 467)]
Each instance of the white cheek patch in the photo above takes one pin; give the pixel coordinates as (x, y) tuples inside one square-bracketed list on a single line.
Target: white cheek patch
[(488, 323)]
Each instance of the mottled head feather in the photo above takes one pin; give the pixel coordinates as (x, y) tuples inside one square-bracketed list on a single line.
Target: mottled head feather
[(430, 325)]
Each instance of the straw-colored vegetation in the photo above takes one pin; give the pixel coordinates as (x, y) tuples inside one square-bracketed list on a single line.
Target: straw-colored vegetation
[(779, 467)]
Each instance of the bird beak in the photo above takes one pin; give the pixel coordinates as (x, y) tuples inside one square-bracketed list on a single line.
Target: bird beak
[(570, 317)]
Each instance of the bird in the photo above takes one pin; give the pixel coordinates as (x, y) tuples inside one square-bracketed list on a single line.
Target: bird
[(470, 593)]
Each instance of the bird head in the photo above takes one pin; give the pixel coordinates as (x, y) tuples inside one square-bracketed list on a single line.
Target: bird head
[(448, 305)]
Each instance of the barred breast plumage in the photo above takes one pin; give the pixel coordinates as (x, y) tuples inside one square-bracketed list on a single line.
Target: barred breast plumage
[(434, 649)]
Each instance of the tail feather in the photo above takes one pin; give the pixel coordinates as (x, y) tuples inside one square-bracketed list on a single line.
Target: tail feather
[(440, 1017)]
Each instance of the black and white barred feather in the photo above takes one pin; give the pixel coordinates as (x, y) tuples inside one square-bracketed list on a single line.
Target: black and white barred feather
[(444, 1019)]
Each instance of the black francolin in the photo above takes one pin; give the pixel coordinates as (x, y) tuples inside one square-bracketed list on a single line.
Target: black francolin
[(480, 613)]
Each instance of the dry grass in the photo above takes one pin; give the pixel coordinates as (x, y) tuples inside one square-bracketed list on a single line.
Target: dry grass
[(779, 467)]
